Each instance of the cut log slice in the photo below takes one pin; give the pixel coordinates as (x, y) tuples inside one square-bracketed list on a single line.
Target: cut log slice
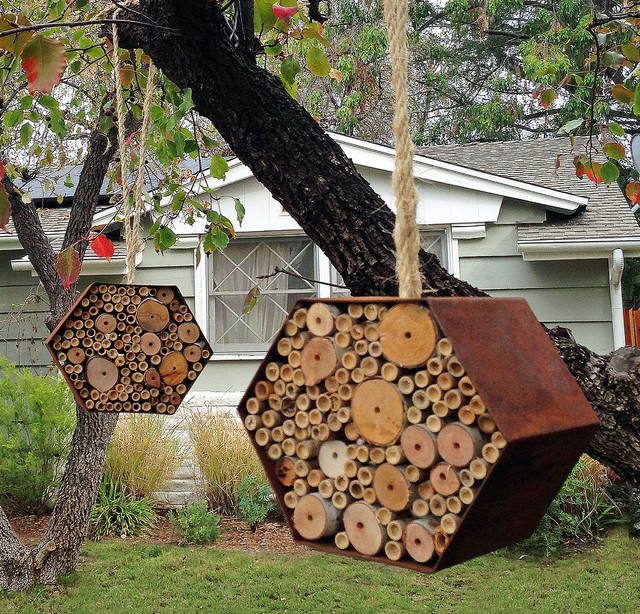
[(408, 335), (150, 344), (315, 517), (193, 353), (378, 411), (106, 323), (392, 488), (459, 444), (365, 532), (321, 319), (76, 356), (152, 315), (332, 457), (188, 332), (418, 539), (152, 378), (102, 374), (419, 445), (285, 471), (173, 368), (318, 360), (445, 480), (165, 295)]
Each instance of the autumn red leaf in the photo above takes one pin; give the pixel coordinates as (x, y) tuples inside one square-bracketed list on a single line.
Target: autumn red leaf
[(547, 97), (594, 173), (68, 266), (284, 12), (622, 94), (43, 60), (1, 169), (615, 151), (633, 191), (102, 247), (5, 208)]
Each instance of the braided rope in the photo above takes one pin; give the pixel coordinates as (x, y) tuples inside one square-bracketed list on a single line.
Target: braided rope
[(406, 235)]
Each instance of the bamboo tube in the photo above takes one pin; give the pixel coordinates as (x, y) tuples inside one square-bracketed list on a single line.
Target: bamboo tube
[(315, 517), (355, 310), (466, 415), (435, 366), (433, 393), (466, 386), (331, 384), (343, 340), (440, 409), (252, 422), (294, 360), (370, 366), (434, 424), (426, 490), (395, 455), (341, 499), (377, 455), (486, 424), (477, 405), (323, 403), (302, 467), (420, 399), (458, 444), (369, 496), (371, 331), (321, 319), (345, 392), (466, 477), (300, 318), (362, 454), (389, 372), (301, 487), (341, 540), (444, 479), (274, 452), (445, 381), (498, 440), (444, 347), (467, 495), (357, 332), (308, 449), (302, 433), (453, 399), (263, 437), (357, 375), (392, 487), (395, 529), (351, 468), (286, 372), (332, 457), (326, 488), (344, 414), (263, 390), (375, 349), (314, 477), (478, 468), (315, 417), (289, 446), (272, 372), (298, 377), (490, 453), (336, 402), (418, 538), (420, 508), (334, 424), (365, 532), (352, 451), (394, 551), (275, 402), (271, 418), (298, 340), (438, 505), (365, 475), (343, 376), (419, 445), (314, 392), (350, 360), (385, 516), (406, 384), (361, 347), (449, 523), (290, 328), (344, 323), (341, 482), (284, 346), (414, 415), (302, 419), (454, 367), (454, 504), (303, 402)]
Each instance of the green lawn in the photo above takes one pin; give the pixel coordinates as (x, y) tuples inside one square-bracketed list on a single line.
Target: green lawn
[(116, 577)]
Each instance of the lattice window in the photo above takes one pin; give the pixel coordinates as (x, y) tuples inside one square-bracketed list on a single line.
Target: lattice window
[(232, 275)]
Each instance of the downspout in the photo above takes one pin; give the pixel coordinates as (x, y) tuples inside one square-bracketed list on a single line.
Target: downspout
[(615, 286)]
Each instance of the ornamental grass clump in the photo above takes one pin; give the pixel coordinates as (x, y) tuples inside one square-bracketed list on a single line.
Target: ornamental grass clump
[(225, 457)]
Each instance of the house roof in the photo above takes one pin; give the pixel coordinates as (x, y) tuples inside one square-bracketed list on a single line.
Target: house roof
[(607, 215)]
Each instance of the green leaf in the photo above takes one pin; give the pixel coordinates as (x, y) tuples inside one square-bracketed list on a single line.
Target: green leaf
[(164, 239), (240, 211), (318, 63), (289, 68), (615, 151), (208, 142), (263, 16), (609, 172), (547, 97), (630, 52), (157, 113), (622, 94), (12, 118), (43, 60), (636, 99), (25, 134), (48, 102), (68, 266), (215, 239), (219, 167), (570, 126), (612, 59), (154, 228), (272, 47), (26, 102), (5, 208), (616, 129)]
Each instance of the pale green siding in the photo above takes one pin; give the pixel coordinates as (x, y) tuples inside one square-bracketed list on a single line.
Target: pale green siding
[(569, 293)]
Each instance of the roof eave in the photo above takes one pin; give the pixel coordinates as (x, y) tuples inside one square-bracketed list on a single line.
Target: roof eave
[(586, 249)]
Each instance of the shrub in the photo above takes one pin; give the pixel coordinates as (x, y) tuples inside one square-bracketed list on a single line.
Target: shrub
[(581, 511), (197, 524), (255, 501), (143, 455), (117, 514), (225, 456), (37, 418)]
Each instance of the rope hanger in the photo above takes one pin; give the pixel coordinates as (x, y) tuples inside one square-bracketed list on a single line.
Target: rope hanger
[(406, 234)]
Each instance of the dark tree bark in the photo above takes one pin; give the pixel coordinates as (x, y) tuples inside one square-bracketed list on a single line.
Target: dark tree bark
[(56, 554), (307, 172)]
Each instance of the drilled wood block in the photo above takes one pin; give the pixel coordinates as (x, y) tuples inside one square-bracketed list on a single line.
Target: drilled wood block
[(129, 348), (421, 433)]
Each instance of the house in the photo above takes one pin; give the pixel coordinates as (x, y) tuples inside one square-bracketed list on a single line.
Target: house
[(500, 215)]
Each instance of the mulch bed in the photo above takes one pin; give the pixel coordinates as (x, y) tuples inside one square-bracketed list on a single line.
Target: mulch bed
[(235, 535)]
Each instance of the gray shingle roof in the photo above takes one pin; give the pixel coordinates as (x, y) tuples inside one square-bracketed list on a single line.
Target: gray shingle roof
[(607, 215)]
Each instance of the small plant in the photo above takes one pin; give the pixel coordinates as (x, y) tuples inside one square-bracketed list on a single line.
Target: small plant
[(117, 514), (255, 501), (198, 525)]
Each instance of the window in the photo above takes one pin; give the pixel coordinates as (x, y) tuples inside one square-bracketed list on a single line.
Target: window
[(232, 275)]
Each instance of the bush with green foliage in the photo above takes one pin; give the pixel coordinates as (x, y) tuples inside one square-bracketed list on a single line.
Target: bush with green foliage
[(582, 510), (197, 523), (37, 418), (118, 514), (255, 501)]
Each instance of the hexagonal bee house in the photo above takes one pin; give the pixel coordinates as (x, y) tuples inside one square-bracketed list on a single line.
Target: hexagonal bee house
[(129, 348), (421, 433)]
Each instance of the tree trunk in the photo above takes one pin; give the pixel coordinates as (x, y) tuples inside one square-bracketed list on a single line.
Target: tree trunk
[(307, 172)]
